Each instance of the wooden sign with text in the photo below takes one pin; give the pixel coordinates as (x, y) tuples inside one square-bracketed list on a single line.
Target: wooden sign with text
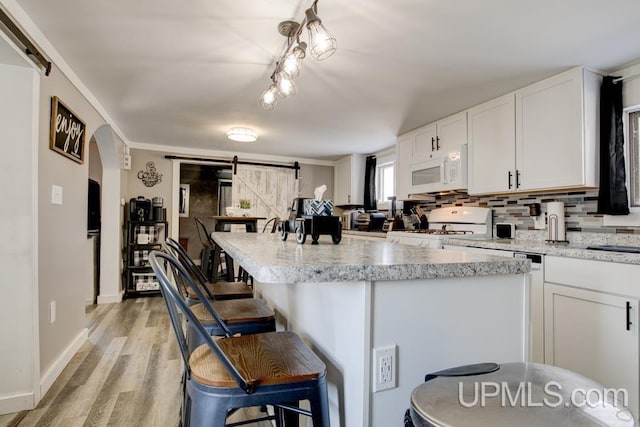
[(67, 131)]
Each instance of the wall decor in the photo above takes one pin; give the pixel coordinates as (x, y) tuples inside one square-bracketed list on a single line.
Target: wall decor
[(67, 131), (183, 204), (150, 176)]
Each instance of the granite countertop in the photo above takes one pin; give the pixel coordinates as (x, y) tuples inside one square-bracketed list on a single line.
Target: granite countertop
[(572, 250), (270, 260)]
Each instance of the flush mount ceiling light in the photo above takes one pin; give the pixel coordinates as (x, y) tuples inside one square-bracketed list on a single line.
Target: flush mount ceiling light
[(321, 45), (242, 134)]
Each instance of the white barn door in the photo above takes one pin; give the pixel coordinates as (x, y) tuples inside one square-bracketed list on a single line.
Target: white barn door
[(269, 190)]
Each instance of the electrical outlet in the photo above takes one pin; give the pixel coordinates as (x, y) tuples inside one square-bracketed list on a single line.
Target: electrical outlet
[(384, 368), (539, 222)]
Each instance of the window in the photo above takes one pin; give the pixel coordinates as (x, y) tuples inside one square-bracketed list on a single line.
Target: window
[(634, 158), (385, 178)]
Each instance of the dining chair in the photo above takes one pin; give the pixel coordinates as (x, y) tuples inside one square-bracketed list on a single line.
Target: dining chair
[(212, 266), (224, 374), (207, 248), (219, 289)]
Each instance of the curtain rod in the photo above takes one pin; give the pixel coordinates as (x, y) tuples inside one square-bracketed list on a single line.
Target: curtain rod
[(29, 48), (629, 77), (235, 162)]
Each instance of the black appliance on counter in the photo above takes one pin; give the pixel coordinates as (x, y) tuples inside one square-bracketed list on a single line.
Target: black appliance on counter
[(370, 221), (140, 209)]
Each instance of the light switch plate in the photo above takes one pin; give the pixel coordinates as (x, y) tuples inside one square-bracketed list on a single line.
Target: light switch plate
[(56, 195)]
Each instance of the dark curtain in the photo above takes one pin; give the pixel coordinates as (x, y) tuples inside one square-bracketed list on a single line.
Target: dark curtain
[(612, 197), (370, 184)]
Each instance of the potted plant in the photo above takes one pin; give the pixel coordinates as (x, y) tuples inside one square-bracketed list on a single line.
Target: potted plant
[(245, 206)]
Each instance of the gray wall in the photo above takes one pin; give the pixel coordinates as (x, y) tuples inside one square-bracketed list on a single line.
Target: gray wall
[(312, 176), (135, 186), (62, 228)]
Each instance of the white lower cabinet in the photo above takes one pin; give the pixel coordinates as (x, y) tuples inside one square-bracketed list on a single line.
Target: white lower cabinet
[(592, 331)]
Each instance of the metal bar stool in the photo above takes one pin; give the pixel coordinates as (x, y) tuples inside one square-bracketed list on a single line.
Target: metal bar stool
[(219, 289), (220, 318), (273, 368), (527, 394)]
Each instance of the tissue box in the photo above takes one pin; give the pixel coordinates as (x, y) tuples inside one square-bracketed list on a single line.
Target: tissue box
[(318, 207)]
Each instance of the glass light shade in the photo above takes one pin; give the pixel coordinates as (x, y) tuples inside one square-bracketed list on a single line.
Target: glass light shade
[(292, 62), (321, 43), (285, 84), (242, 134), (269, 98)]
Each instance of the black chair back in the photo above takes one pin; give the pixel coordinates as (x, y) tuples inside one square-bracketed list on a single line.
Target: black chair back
[(178, 252), (202, 229), (175, 304)]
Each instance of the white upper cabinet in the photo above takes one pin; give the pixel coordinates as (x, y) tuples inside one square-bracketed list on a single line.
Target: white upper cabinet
[(556, 137), (349, 180), (492, 146), (425, 143), (547, 140), (451, 132), (437, 138)]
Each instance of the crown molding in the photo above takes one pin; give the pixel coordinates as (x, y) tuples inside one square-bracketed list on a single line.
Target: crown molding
[(187, 151)]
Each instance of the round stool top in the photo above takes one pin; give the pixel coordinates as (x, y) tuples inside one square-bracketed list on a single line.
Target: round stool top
[(525, 394)]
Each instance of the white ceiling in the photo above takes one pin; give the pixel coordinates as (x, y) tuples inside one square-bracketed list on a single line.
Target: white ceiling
[(181, 73)]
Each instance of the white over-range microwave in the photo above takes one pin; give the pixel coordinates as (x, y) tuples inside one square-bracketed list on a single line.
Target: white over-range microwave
[(446, 171)]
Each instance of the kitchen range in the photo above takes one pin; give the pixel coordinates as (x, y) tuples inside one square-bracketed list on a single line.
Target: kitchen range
[(467, 222)]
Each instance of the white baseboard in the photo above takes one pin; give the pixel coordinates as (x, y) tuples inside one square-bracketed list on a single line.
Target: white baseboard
[(16, 403), (61, 362), (109, 299)]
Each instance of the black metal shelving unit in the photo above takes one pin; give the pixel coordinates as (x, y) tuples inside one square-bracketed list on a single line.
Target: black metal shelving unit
[(142, 237)]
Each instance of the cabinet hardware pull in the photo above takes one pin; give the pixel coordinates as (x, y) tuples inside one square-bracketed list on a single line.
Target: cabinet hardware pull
[(437, 142), (517, 178), (432, 142), (628, 316), (510, 175)]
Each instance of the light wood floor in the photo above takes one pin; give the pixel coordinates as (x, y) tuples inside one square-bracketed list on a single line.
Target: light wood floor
[(126, 374)]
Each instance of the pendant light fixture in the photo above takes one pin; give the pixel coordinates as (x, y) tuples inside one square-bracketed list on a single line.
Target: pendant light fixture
[(269, 98), (321, 45)]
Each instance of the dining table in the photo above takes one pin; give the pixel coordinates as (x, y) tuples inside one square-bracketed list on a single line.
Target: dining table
[(250, 222)]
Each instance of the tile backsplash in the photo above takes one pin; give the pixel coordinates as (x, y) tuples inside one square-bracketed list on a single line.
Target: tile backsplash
[(580, 209)]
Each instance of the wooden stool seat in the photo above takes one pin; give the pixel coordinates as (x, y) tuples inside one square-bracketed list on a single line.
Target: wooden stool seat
[(235, 311), (222, 290), (262, 359)]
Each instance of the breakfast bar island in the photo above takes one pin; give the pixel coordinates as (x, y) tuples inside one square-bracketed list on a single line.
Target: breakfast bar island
[(431, 308)]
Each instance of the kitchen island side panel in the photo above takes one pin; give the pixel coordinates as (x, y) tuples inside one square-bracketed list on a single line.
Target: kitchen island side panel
[(442, 323), (334, 319)]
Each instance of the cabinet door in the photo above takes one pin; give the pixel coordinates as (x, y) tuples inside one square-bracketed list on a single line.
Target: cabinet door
[(452, 132), (549, 133), (424, 143), (587, 332), (342, 181), (492, 146), (349, 180), (403, 160)]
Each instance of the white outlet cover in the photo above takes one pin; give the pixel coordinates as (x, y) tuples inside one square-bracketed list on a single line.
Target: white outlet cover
[(384, 368), (52, 312)]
